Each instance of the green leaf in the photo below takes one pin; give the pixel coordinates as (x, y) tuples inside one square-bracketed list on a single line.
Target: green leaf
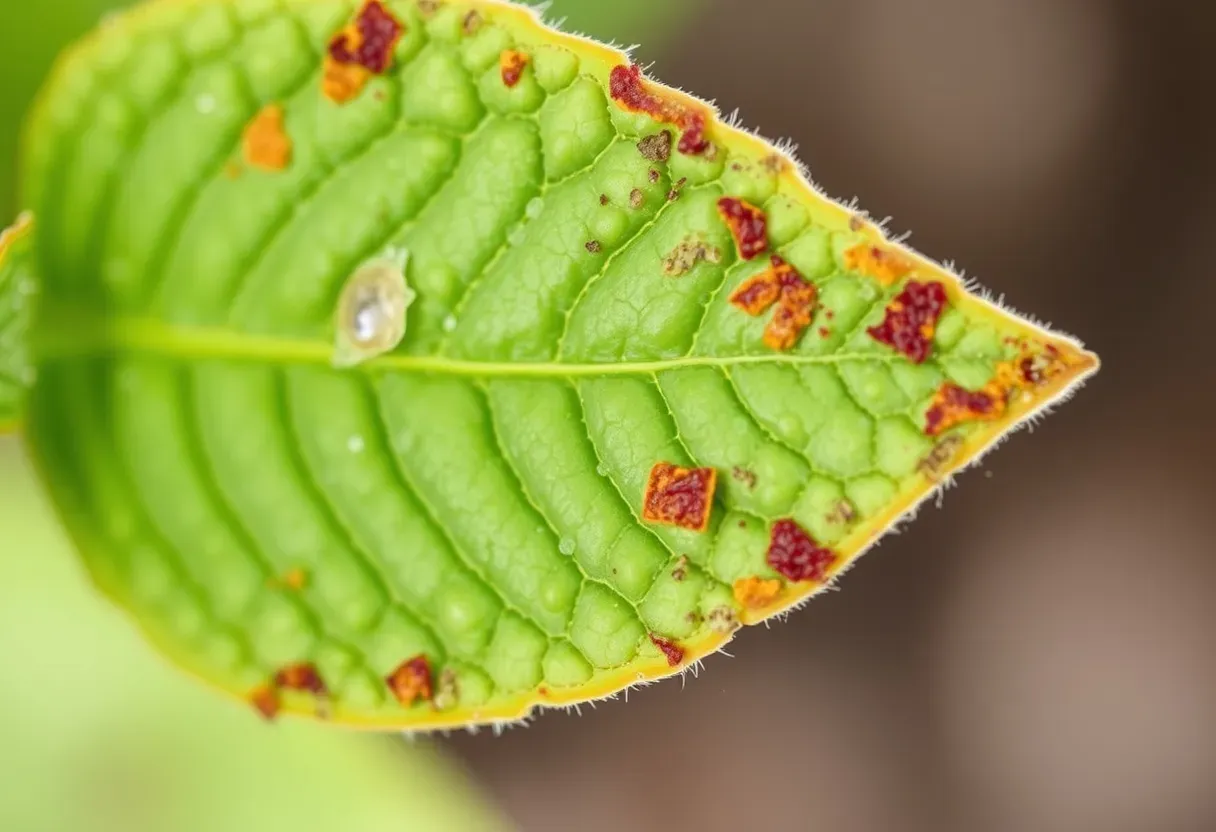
[(17, 286), (460, 518)]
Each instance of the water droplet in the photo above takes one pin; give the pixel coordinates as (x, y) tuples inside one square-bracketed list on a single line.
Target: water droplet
[(534, 209), (205, 103), (371, 312), (355, 444), (449, 323), (566, 547)]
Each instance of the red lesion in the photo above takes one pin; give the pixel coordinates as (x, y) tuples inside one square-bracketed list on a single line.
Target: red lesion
[(748, 225), (362, 49), (911, 320), (884, 265), (680, 497), (795, 297), (670, 649), (793, 553), (302, 677), (412, 681), (511, 65), (265, 698), (631, 92)]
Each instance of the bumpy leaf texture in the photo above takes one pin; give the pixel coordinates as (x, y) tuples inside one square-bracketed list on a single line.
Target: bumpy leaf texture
[(652, 386)]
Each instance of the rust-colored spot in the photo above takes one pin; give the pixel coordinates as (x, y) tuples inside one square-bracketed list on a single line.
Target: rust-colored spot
[(265, 698), (680, 572), (362, 49), (792, 552), (954, 405), (603, 199), (775, 163), (678, 496), (656, 148), (472, 22), (911, 320), (636, 198), (301, 677), (673, 651), (856, 223), (886, 266), (674, 193), (412, 681), (631, 92), (796, 298), (685, 256), (265, 143), (511, 65), (756, 593), (723, 620), (594, 246), (747, 224), (744, 475), (935, 463), (653, 175)]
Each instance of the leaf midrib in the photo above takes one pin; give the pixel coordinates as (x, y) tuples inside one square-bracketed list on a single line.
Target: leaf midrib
[(68, 334)]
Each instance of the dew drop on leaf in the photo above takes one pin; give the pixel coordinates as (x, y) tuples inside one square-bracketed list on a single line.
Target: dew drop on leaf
[(371, 311)]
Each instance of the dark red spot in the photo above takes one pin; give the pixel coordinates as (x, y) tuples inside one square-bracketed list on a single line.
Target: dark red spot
[(911, 320), (412, 681), (792, 552), (680, 496), (673, 651), (630, 92), (369, 43), (301, 677), (747, 224)]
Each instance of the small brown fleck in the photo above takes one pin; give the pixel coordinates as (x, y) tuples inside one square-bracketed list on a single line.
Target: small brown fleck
[(472, 22), (681, 569), (266, 700), (825, 333), (653, 175), (744, 475), (636, 198), (656, 148), (775, 163), (594, 246), (842, 513), (743, 524), (694, 617), (723, 620), (603, 199), (939, 457), (447, 692), (685, 256), (856, 223), (429, 7)]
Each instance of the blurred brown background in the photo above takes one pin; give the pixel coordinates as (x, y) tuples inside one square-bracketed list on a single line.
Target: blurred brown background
[(1040, 653)]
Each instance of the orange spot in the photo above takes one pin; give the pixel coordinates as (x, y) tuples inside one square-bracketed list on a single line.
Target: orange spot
[(673, 651), (293, 579), (511, 64), (747, 224), (756, 593), (885, 266), (265, 142), (266, 699), (362, 49), (680, 496), (632, 93), (780, 282), (411, 681), (301, 677)]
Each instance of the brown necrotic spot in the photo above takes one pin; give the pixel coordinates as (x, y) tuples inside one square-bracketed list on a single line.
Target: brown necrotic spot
[(886, 266), (653, 175), (362, 49), (911, 320), (672, 651), (793, 553), (594, 246), (756, 593), (265, 143), (723, 620), (748, 225), (678, 496), (265, 698), (412, 681), (940, 456), (631, 92), (744, 475), (511, 65), (471, 22), (685, 256), (656, 148), (636, 198), (680, 572)]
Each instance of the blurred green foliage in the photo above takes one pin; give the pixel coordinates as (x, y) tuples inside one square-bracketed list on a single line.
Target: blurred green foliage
[(34, 32)]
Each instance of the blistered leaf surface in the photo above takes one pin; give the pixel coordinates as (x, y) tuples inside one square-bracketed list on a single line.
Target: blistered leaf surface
[(650, 388)]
